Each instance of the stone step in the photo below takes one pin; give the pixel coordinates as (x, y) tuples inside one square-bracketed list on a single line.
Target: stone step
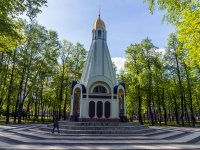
[(99, 128), (69, 127), (99, 123), (141, 131)]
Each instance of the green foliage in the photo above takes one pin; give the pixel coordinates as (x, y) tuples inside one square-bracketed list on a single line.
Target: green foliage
[(161, 88), (182, 55), (10, 29), (40, 72), (185, 16), (188, 31), (174, 8)]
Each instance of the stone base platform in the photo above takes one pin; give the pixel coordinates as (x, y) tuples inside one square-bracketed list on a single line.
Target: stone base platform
[(99, 128), (97, 120)]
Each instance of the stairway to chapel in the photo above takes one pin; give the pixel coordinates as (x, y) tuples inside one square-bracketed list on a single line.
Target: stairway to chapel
[(99, 128)]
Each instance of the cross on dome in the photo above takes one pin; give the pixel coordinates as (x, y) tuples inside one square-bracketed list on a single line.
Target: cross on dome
[(99, 10), (99, 23)]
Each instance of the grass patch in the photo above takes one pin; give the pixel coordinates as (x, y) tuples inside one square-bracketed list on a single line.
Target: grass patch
[(24, 120), (173, 124)]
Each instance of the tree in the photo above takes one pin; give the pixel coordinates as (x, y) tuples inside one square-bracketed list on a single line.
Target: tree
[(134, 65), (10, 10), (175, 47), (69, 69), (160, 86), (188, 33), (64, 69), (38, 56), (79, 57), (141, 66), (185, 16), (149, 55)]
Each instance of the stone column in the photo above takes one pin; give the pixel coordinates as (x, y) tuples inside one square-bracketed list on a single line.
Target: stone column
[(103, 116), (95, 116), (72, 105)]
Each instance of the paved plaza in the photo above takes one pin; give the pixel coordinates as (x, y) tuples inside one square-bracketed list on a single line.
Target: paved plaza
[(28, 136)]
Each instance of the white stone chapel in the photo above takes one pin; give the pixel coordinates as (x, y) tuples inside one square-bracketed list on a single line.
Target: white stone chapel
[(98, 97)]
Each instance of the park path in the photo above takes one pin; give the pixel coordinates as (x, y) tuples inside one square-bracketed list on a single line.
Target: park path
[(27, 136)]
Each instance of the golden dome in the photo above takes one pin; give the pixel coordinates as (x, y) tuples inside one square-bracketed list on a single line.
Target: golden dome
[(99, 24)]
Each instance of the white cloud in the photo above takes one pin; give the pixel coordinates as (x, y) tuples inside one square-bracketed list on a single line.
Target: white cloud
[(119, 62), (161, 50)]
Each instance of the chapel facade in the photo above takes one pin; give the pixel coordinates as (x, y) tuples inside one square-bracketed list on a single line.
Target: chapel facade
[(98, 97)]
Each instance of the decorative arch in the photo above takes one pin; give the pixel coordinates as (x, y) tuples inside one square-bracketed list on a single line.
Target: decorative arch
[(101, 85), (99, 89)]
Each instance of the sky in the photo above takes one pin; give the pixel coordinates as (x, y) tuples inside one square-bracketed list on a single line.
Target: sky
[(127, 22)]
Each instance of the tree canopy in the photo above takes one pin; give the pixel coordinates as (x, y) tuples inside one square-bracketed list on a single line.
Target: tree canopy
[(10, 10), (185, 16)]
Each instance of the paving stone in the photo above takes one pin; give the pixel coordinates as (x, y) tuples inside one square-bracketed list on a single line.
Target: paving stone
[(29, 136)]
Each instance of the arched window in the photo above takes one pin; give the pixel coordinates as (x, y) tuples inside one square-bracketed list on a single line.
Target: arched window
[(91, 109), (99, 33), (99, 89)]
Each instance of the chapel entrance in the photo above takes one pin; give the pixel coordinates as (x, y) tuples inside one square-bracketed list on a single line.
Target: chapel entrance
[(102, 109)]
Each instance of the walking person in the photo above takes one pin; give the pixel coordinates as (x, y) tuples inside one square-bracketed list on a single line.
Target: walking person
[(55, 123)]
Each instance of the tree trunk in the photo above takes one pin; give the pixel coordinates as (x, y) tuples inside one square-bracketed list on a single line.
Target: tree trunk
[(1, 62), (148, 114), (186, 113), (181, 90), (1, 100), (42, 103), (10, 89), (20, 96), (158, 96), (4, 84), (139, 106), (176, 108), (65, 104), (28, 111), (35, 113), (61, 94), (190, 96), (20, 112), (197, 100), (170, 109), (151, 113), (149, 96), (16, 108), (164, 109)]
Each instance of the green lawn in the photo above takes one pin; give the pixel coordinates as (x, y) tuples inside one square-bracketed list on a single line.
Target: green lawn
[(11, 120)]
